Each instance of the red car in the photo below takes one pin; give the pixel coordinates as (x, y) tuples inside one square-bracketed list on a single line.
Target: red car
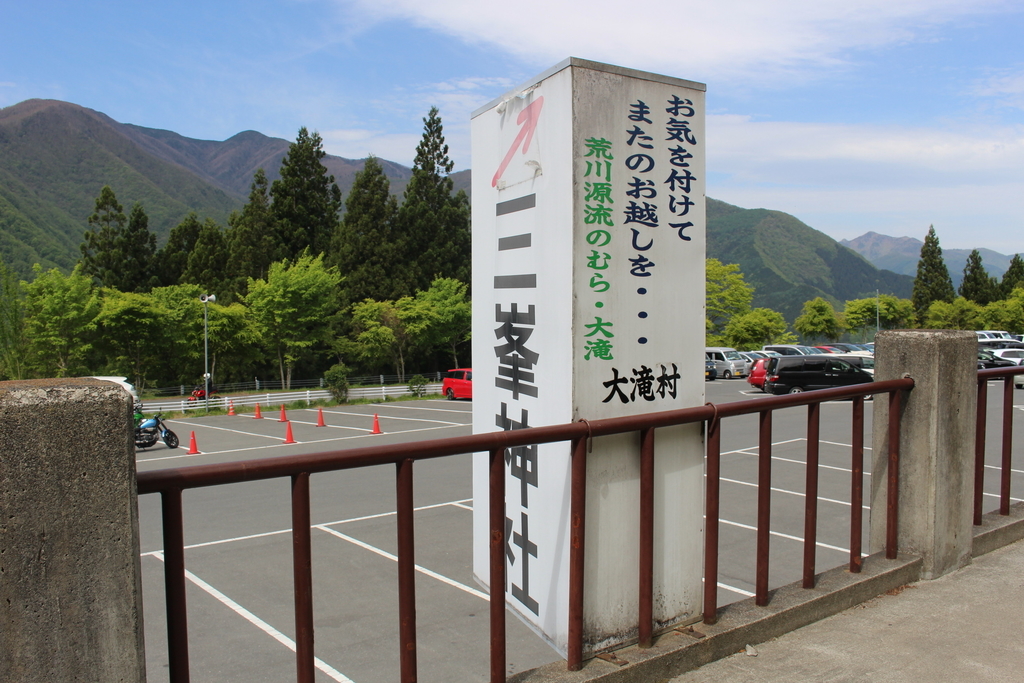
[(757, 373), (458, 383)]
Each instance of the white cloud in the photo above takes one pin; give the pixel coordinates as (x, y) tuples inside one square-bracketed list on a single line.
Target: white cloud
[(360, 143), (1005, 88), (753, 150), (736, 40), (847, 179)]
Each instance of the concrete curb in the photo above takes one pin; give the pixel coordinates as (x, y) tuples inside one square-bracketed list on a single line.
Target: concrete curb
[(739, 624), (997, 530)]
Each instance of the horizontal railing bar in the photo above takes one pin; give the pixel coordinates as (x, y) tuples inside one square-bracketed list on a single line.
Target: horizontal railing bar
[(996, 373), (196, 476)]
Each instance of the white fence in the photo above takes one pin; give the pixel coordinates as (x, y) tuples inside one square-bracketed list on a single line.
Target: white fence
[(269, 400)]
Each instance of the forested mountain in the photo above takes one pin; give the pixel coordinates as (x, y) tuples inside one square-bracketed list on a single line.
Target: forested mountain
[(55, 157), (901, 254), (789, 262)]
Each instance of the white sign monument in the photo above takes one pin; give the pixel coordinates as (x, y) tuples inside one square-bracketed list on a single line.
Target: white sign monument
[(588, 302)]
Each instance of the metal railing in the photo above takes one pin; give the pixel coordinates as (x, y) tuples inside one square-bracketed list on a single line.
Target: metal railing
[(170, 484), (1007, 375)]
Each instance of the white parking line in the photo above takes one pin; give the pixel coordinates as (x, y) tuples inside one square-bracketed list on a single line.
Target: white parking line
[(792, 493), (422, 570), (284, 445), (453, 503), (417, 407), (786, 536), (258, 623)]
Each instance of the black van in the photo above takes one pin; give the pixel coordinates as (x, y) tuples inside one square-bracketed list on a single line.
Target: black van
[(793, 374)]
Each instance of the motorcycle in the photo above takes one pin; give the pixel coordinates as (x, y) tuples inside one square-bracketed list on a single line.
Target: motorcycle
[(199, 393), (149, 431)]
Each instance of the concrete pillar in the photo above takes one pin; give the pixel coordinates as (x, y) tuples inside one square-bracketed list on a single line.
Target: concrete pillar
[(70, 592), (936, 472)]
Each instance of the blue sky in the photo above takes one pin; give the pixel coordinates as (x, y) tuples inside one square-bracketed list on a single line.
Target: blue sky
[(875, 115)]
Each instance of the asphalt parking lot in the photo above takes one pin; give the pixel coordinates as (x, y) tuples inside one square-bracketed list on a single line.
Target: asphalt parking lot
[(239, 559)]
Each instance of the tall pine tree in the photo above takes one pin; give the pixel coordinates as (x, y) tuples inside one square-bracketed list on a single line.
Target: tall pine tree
[(173, 258), (306, 199), (137, 272), (977, 286), (101, 251), (433, 224), (364, 248), (932, 282), (252, 239), (1013, 277)]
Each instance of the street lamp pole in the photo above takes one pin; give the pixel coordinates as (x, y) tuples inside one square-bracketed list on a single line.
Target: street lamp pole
[(206, 299)]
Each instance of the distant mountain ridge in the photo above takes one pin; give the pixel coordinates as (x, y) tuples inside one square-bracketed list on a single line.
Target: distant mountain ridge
[(789, 262), (901, 254)]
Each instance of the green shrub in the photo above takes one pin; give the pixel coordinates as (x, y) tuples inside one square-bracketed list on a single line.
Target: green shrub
[(418, 385), (336, 379)]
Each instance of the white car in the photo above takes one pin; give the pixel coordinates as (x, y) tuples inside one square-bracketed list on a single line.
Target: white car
[(1016, 355)]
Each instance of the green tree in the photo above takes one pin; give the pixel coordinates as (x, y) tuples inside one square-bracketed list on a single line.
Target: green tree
[(977, 285), (138, 247), (291, 309), (434, 225), (887, 311), (1012, 278), (173, 258), (252, 239), (207, 264), (12, 325), (60, 322), (726, 295), (818, 320), (932, 282), (1005, 314), (959, 314), (102, 256), (861, 315), (389, 331), (306, 201), (131, 333), (754, 329), (451, 314), (365, 247)]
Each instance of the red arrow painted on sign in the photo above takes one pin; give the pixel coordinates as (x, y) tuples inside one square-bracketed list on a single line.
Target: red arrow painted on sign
[(528, 120)]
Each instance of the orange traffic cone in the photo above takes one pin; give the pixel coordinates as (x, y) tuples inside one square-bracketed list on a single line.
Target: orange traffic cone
[(192, 449), (320, 418), (376, 425), (258, 415), (284, 418), (231, 407), (288, 438)]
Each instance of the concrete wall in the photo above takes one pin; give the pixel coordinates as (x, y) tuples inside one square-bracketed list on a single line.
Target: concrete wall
[(936, 467), (70, 594)]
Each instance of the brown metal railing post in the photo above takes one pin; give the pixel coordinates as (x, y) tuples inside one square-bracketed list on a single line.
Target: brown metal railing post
[(496, 510), (1004, 482), (893, 487), (646, 537), (712, 483), (979, 450), (857, 485), (174, 585), (811, 494), (406, 572), (302, 571), (764, 506), (577, 536)]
